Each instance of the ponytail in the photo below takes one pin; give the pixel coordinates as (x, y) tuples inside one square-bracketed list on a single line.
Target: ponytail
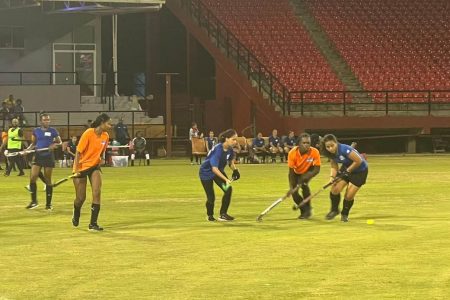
[(101, 118), (226, 135)]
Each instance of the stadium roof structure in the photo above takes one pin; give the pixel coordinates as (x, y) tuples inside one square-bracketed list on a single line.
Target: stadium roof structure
[(97, 7)]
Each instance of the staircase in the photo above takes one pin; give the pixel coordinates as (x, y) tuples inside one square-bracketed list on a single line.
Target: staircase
[(328, 50)]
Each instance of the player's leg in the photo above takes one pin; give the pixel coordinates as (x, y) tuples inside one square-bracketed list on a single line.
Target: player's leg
[(34, 174), (96, 185), (294, 179), (305, 209), (226, 200), (335, 197), (80, 197), (210, 198), (48, 187), (357, 180)]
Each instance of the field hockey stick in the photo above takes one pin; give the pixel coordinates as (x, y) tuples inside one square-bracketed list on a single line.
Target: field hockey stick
[(278, 201), (65, 179), (307, 199), (25, 152)]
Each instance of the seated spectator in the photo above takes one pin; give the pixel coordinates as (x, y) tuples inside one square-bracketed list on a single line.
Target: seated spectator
[(258, 147), (275, 146), (289, 142), (211, 141), (139, 146)]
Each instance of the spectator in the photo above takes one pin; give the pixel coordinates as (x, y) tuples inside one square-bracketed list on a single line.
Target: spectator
[(71, 150), (15, 139), (258, 147), (121, 131), (289, 142), (18, 112), (275, 146), (194, 133), (139, 145), (5, 114), (88, 124), (211, 141), (10, 101)]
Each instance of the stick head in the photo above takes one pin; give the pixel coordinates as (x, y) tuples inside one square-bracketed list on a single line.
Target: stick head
[(259, 218)]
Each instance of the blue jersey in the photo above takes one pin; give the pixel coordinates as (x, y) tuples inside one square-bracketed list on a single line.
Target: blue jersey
[(258, 142), (343, 151), (218, 158), (275, 141), (44, 138), (291, 141)]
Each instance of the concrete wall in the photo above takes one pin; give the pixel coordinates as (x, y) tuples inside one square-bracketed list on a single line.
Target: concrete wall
[(45, 97), (41, 31)]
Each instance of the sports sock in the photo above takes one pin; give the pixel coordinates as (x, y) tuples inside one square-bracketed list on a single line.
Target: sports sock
[(95, 210), (33, 188), (76, 212), (49, 194), (335, 201), (347, 206)]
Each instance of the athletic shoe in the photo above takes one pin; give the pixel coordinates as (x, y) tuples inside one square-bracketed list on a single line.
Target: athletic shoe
[(95, 227), (344, 218), (225, 218), (331, 215), (211, 219), (32, 205), (305, 215), (21, 174), (49, 207)]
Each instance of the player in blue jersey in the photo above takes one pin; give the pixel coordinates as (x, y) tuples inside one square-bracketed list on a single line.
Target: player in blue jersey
[(43, 137), (353, 172), (213, 170)]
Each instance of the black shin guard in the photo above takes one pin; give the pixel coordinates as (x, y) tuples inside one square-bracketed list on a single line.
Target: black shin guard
[(33, 189), (95, 210), (49, 194), (347, 206), (335, 201)]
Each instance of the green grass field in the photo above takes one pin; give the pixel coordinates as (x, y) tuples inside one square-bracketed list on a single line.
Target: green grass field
[(158, 245)]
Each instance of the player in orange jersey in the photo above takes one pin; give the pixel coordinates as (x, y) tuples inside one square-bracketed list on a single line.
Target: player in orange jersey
[(88, 158), (304, 164)]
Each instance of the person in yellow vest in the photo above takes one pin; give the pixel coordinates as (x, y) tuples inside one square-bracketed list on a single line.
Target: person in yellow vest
[(15, 139)]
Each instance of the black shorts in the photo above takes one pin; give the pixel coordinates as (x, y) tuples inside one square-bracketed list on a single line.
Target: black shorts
[(88, 172), (45, 161), (358, 178)]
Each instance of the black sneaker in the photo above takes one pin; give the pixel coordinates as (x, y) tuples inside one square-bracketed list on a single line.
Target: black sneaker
[(75, 222), (305, 215), (211, 219), (95, 227), (21, 174), (331, 215), (344, 218), (32, 205), (49, 207), (225, 218)]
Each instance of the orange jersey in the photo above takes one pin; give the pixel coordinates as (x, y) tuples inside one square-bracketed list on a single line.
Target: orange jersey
[(91, 147), (4, 136), (302, 163)]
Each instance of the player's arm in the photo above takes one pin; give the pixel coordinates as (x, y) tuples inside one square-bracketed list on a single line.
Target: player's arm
[(357, 161), (334, 169), (219, 174), (56, 143), (33, 142), (312, 172)]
